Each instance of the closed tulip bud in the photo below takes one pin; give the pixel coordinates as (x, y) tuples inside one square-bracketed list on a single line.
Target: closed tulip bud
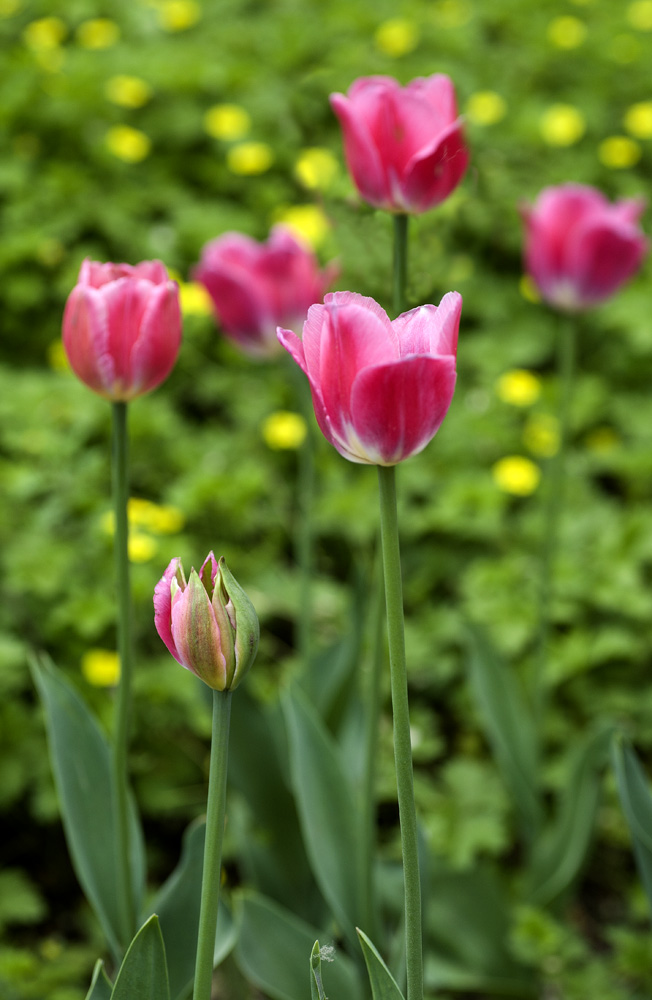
[(579, 248), (122, 328), (208, 623)]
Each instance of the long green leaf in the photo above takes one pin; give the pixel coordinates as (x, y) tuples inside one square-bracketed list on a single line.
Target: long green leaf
[(143, 974), (327, 811), (81, 763), (636, 802), (383, 984), (100, 988), (316, 983), (269, 950)]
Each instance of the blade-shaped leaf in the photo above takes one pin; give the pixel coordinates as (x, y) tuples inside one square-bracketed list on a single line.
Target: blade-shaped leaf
[(270, 944), (316, 984), (177, 905), (327, 810), (81, 764), (508, 723), (383, 984), (100, 988), (143, 973), (636, 802)]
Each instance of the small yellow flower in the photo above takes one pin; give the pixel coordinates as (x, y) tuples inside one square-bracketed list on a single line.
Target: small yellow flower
[(566, 32), (101, 667), (195, 300), (162, 519), (283, 430), (127, 143), (309, 222), (227, 121), (624, 49), (249, 158), (638, 120), (619, 152), (517, 475), (541, 435), (528, 289), (142, 547), (639, 15), (602, 440), (451, 13), (397, 37), (518, 387), (45, 34), (178, 15), (57, 358), (127, 91), (316, 168), (98, 33), (9, 7), (486, 107), (562, 125)]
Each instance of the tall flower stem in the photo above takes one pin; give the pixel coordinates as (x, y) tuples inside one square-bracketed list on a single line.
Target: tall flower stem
[(402, 744), (120, 475), (400, 261), (566, 351), (210, 886)]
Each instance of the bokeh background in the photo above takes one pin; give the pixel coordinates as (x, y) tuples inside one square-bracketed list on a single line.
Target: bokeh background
[(142, 129)]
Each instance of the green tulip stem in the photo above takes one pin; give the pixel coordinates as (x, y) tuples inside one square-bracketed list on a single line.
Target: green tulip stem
[(400, 261), (120, 473), (402, 743), (215, 814)]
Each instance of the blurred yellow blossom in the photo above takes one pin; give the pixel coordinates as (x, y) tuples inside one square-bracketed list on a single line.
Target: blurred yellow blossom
[(518, 387), (162, 519), (309, 222), (142, 547), (57, 358), (178, 15), (528, 289), (639, 15), (128, 91), (9, 7), (45, 34), (284, 429), (451, 13), (541, 435), (624, 49), (397, 37), (195, 300), (566, 32), (98, 33), (486, 107), (250, 158), (562, 125), (516, 474), (127, 143), (619, 152), (638, 120), (602, 440), (101, 667), (227, 121), (316, 168)]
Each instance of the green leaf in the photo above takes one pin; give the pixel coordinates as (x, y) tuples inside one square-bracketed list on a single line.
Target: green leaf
[(81, 762), (143, 974), (327, 810), (562, 850), (636, 802), (383, 984), (316, 984), (177, 905), (100, 988), (508, 723), (271, 941)]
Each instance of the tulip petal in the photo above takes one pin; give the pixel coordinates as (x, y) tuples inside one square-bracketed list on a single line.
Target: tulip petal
[(197, 636), (163, 608), (432, 174), (603, 255), (439, 92), (86, 338), (155, 351), (362, 157), (430, 329)]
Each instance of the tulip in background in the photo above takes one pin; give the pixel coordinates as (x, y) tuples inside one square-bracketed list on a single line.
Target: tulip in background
[(256, 287), (579, 248), (404, 146)]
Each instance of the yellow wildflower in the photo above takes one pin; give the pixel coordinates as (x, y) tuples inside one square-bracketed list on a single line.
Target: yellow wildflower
[(619, 152), (195, 300), (127, 143), (397, 37), (98, 33), (486, 107), (517, 475), (528, 289), (451, 13), (541, 435), (101, 667), (227, 121), (518, 387), (178, 15), (284, 430), (9, 7), (250, 158), (566, 32), (639, 15), (128, 91), (45, 34), (562, 125), (309, 222), (57, 358), (638, 120), (316, 168), (141, 547)]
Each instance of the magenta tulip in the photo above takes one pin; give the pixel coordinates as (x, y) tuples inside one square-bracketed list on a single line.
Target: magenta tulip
[(208, 624), (403, 145), (579, 248), (256, 287), (122, 328), (380, 389)]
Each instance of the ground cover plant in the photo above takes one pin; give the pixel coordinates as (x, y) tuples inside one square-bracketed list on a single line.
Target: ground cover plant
[(145, 131)]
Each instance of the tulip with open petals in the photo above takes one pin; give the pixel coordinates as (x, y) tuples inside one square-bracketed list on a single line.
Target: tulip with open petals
[(580, 248), (380, 389), (403, 145), (122, 327)]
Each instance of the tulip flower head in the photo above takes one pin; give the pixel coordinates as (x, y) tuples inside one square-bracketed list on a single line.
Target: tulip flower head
[(580, 248), (380, 389), (208, 624), (122, 328), (403, 145), (256, 287)]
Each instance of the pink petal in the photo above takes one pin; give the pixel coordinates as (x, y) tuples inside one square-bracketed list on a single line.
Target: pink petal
[(197, 636), (163, 608), (432, 174), (86, 338), (603, 255), (362, 157), (294, 346), (430, 329), (154, 353), (439, 92)]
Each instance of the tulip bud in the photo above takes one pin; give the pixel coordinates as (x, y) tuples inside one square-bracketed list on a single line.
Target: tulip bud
[(208, 624)]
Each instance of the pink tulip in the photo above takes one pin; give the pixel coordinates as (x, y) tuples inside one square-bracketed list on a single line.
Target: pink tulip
[(579, 248), (208, 624), (256, 287), (122, 327), (380, 389), (403, 145)]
